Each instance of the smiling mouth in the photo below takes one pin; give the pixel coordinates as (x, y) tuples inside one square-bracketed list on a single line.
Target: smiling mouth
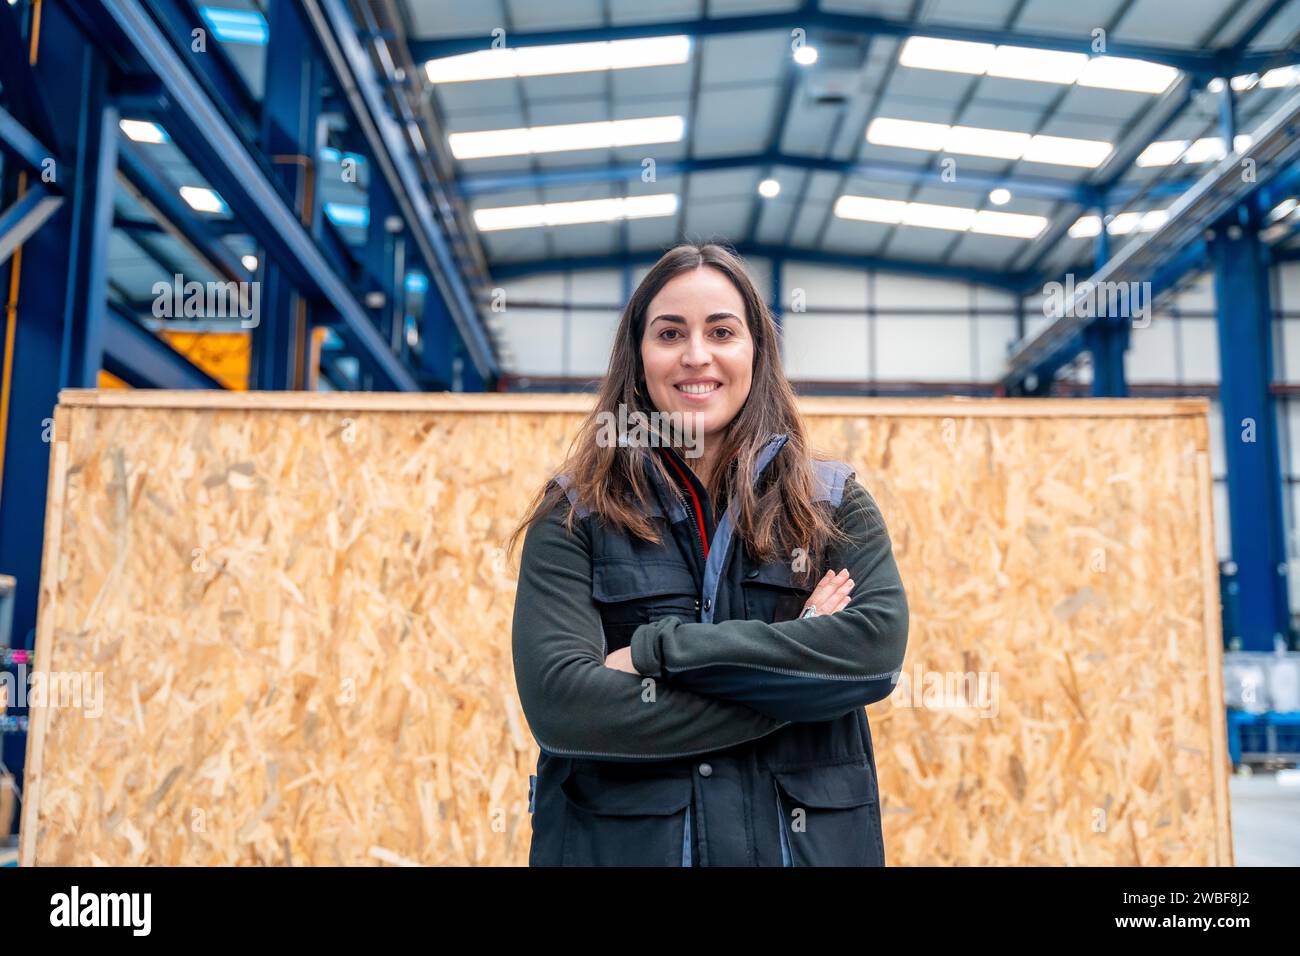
[(699, 388)]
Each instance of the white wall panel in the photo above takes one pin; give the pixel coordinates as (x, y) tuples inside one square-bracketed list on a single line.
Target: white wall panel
[(923, 349), (825, 347)]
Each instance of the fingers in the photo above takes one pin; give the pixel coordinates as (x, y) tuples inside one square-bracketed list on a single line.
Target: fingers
[(832, 592)]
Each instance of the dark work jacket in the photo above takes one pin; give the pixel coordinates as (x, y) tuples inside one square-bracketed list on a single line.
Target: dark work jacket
[(745, 741)]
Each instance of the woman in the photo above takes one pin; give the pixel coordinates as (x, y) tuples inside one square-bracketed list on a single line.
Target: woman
[(688, 714)]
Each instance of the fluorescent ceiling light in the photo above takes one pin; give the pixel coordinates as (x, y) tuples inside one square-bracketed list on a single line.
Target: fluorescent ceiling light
[(347, 214), (953, 56), (1014, 225), (203, 199), (508, 62), (236, 26), (554, 139), (1032, 63), (1066, 151), (1162, 153), (1282, 209), (142, 131), (1126, 222), (769, 188), (1208, 149), (1042, 66), (931, 216), (996, 143), (1153, 220), (1122, 73), (1282, 76), (805, 55), (568, 213), (1000, 196), (869, 209), (1085, 227), (908, 134)]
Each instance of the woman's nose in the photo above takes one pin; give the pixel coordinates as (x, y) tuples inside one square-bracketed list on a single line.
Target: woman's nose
[(697, 352)]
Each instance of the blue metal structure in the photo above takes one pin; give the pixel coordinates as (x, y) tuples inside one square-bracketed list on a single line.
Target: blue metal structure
[(810, 17), (1216, 224), (1250, 431), (73, 183)]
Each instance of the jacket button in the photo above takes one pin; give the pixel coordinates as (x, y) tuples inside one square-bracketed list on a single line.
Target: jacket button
[(697, 604), (708, 604), (706, 770), (752, 574)]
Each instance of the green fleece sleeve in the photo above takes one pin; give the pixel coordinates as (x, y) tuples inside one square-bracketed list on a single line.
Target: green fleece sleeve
[(809, 669), (574, 704)]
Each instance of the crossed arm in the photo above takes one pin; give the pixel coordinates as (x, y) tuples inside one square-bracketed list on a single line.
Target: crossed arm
[(809, 669), (574, 704), (722, 684)]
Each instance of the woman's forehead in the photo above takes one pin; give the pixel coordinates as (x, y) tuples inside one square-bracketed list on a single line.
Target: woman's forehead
[(701, 292)]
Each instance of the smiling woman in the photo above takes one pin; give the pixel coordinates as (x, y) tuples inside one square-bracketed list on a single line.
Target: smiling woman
[(697, 353), (695, 636)]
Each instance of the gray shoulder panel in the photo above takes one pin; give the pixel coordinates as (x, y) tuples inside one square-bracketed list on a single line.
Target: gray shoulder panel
[(831, 476), (566, 482)]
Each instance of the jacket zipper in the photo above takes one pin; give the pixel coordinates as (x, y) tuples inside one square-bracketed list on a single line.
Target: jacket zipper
[(691, 513), (780, 822)]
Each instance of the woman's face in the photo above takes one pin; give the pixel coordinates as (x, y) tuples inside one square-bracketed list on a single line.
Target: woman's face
[(696, 349)]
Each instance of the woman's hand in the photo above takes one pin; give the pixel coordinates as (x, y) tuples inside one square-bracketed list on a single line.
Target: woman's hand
[(832, 593), (621, 660)]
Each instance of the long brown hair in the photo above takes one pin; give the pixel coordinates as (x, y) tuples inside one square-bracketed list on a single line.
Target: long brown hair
[(775, 518)]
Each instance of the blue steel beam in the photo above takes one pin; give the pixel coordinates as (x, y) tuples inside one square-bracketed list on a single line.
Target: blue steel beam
[(1250, 434), (50, 345), (1211, 63), (24, 217), (1033, 186), (151, 187), (790, 77), (214, 69), (92, 225), (289, 133), (17, 141), (1010, 282), (24, 94), (336, 31), (143, 360), (1273, 154), (226, 161)]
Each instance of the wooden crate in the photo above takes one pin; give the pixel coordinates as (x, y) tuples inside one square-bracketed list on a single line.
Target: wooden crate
[(301, 612)]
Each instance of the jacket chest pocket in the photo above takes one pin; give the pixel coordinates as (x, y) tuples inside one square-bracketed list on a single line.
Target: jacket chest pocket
[(829, 816), (616, 821), (630, 594), (774, 592)]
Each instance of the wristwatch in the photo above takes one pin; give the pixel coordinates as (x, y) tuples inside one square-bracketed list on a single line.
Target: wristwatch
[(809, 611)]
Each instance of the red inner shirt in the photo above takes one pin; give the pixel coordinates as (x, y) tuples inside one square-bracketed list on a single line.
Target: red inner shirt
[(695, 500)]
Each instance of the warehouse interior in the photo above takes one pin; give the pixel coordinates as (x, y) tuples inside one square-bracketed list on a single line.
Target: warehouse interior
[(431, 196)]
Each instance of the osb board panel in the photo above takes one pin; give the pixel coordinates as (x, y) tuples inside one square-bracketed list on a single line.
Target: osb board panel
[(302, 618)]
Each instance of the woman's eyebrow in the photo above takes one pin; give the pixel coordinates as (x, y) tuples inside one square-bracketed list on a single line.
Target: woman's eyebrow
[(715, 317)]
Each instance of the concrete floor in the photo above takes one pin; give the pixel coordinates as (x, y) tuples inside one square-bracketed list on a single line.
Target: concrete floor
[(1266, 819)]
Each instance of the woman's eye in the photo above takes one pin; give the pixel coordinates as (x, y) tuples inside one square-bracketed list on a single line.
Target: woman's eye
[(726, 330), (667, 332)]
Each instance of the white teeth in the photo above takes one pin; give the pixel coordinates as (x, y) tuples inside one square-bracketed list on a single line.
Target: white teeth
[(699, 389)]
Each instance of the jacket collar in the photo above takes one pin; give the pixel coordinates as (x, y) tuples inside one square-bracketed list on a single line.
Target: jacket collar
[(764, 458)]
